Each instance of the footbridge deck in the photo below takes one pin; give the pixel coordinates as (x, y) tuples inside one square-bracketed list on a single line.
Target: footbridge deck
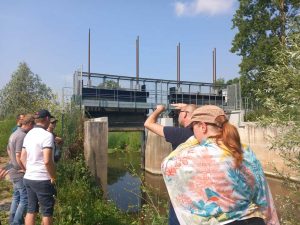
[(127, 100)]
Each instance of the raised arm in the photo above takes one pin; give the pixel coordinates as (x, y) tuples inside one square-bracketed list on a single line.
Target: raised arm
[(151, 122), (179, 105)]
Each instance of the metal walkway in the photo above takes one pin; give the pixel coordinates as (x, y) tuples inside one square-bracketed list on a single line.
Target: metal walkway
[(105, 94)]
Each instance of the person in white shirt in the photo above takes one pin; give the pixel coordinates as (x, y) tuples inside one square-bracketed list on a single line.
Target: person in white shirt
[(39, 178)]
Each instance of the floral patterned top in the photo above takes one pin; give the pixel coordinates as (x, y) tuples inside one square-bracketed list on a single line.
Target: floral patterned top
[(206, 188)]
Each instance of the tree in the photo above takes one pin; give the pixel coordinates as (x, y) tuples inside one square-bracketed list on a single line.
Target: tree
[(282, 99), (261, 28), (219, 84), (111, 84), (25, 92), (235, 80)]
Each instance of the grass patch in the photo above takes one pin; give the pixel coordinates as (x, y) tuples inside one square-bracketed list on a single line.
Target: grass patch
[(5, 193), (124, 141), (5, 189)]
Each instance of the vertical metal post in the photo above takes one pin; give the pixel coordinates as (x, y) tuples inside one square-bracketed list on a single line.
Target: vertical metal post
[(137, 43), (190, 94), (236, 97), (89, 67), (155, 92), (81, 86), (168, 93), (178, 65), (161, 92), (214, 65), (62, 124), (240, 95)]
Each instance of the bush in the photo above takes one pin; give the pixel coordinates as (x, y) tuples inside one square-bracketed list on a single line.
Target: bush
[(6, 127), (72, 132)]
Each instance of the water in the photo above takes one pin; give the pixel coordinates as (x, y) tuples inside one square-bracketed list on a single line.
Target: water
[(124, 184)]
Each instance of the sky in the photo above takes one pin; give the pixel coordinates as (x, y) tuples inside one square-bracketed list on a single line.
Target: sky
[(52, 38)]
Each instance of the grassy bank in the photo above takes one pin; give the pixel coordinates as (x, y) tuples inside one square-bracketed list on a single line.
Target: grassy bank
[(79, 200), (124, 141)]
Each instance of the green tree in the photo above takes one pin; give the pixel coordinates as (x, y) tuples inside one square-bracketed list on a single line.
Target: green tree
[(282, 99), (261, 28), (235, 80), (25, 92), (219, 84), (111, 84)]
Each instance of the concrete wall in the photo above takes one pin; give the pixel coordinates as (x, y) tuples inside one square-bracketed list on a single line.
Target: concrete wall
[(156, 149), (95, 149), (260, 140)]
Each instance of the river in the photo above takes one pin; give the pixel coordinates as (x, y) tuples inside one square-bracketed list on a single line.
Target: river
[(125, 185)]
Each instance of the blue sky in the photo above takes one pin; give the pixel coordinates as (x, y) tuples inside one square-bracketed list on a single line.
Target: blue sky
[(52, 38)]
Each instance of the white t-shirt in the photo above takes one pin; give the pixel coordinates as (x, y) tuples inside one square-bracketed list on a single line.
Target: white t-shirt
[(34, 143)]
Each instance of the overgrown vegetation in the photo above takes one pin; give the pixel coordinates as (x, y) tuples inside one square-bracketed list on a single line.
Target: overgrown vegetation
[(6, 127), (282, 99), (79, 200), (124, 141)]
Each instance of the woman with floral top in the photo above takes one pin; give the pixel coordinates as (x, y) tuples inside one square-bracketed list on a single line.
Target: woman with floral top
[(213, 179)]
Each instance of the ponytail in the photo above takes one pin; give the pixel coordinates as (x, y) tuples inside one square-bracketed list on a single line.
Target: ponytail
[(230, 137)]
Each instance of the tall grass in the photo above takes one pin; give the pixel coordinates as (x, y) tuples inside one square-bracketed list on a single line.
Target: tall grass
[(6, 127), (79, 200), (125, 141)]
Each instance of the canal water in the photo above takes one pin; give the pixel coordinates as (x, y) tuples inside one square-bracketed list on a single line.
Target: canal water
[(125, 185)]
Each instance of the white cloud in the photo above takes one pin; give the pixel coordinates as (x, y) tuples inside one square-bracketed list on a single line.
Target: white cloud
[(211, 7), (180, 8)]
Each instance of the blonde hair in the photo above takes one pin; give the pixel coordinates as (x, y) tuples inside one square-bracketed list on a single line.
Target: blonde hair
[(27, 119)]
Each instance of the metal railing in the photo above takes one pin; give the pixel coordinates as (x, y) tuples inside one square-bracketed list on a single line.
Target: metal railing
[(125, 91)]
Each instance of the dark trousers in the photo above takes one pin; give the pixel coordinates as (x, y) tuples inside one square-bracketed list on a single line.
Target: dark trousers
[(250, 221), (172, 216)]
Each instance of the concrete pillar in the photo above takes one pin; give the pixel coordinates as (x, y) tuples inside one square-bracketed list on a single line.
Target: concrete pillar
[(95, 149), (143, 147), (156, 149)]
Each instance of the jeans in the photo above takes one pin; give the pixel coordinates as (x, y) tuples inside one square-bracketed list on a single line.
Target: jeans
[(172, 216), (19, 203)]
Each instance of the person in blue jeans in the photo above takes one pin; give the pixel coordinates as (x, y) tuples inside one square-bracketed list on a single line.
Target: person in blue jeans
[(19, 199), (173, 135), (19, 203)]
